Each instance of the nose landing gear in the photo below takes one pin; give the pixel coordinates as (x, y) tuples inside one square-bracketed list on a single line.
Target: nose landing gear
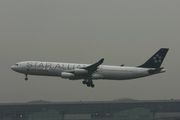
[(26, 78)]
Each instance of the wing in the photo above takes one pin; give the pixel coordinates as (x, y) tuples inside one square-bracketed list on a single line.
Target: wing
[(93, 68), (83, 73), (79, 73)]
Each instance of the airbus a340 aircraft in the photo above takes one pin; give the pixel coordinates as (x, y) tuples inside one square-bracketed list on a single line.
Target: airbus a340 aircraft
[(88, 72)]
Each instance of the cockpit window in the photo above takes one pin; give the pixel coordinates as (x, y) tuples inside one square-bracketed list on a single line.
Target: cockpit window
[(16, 64)]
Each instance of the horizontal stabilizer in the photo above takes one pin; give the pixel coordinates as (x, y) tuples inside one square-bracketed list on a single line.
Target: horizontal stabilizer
[(156, 70)]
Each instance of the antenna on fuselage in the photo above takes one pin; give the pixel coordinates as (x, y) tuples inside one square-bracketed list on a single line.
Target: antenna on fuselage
[(122, 65)]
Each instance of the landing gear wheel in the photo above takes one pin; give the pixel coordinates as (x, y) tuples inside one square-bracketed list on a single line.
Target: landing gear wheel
[(92, 85), (26, 78), (88, 84), (84, 82)]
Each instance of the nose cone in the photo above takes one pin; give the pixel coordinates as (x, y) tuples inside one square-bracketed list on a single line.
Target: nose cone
[(16, 67), (12, 67)]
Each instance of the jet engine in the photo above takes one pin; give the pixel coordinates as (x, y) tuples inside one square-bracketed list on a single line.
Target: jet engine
[(67, 75), (80, 71)]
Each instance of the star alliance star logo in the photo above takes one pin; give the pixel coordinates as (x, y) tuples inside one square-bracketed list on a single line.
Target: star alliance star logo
[(157, 59)]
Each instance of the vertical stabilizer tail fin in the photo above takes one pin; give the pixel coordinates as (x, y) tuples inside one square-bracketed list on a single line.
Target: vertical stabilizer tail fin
[(156, 60)]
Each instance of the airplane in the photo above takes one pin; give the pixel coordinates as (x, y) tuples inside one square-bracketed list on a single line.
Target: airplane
[(90, 72)]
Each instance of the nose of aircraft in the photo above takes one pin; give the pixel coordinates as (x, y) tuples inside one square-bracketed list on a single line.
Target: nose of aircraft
[(13, 67)]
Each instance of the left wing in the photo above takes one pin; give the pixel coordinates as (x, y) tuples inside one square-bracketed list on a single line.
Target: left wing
[(93, 68), (82, 72)]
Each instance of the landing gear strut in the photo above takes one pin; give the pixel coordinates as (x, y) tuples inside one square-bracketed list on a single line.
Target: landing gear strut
[(89, 83), (26, 78)]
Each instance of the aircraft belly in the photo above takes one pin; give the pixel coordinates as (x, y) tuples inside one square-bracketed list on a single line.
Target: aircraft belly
[(116, 75)]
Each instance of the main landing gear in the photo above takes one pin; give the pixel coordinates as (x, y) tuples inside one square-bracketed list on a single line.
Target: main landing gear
[(89, 83), (26, 78)]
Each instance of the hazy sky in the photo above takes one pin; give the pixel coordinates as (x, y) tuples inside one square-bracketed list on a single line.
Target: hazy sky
[(84, 31)]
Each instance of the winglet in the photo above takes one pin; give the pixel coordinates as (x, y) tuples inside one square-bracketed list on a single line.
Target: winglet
[(101, 61), (95, 65)]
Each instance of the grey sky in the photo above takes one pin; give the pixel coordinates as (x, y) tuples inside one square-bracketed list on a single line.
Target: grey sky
[(84, 31)]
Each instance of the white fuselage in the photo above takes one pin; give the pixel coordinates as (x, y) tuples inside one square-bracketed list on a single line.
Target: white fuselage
[(103, 71)]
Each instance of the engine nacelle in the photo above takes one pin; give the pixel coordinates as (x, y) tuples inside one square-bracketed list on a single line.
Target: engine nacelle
[(67, 75), (80, 71)]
